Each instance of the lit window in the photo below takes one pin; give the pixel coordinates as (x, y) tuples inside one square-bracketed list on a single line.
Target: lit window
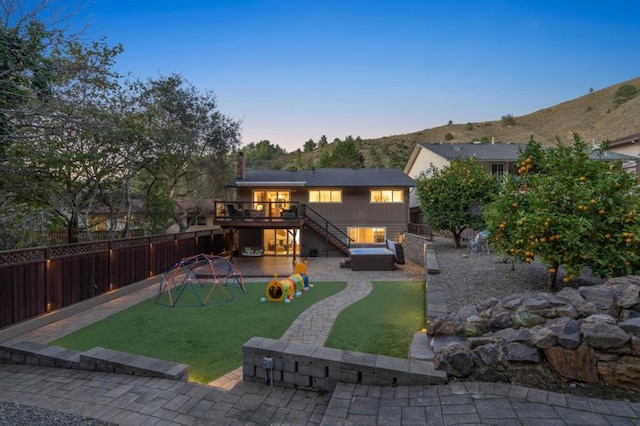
[(387, 196), (367, 235), (325, 196)]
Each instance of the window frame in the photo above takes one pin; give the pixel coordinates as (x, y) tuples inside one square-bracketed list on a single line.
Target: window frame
[(502, 168), (373, 229), (391, 201), (331, 192)]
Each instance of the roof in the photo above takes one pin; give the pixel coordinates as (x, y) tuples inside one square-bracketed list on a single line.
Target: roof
[(327, 178), (482, 152), (503, 152), (635, 138)]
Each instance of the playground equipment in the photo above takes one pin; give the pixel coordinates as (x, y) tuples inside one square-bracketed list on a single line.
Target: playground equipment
[(201, 274), (286, 289)]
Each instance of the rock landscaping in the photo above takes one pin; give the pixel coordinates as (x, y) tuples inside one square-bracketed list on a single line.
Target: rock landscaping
[(589, 334)]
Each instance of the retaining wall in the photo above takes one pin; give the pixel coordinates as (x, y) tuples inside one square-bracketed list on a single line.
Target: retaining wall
[(296, 365)]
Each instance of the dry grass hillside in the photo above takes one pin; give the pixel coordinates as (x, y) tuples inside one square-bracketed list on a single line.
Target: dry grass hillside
[(593, 116)]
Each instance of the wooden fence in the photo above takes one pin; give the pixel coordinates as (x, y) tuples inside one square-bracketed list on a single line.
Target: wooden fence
[(36, 281)]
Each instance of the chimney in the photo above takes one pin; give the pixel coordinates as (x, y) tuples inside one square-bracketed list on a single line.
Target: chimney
[(241, 166)]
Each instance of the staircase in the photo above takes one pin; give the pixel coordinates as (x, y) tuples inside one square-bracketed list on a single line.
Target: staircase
[(333, 235)]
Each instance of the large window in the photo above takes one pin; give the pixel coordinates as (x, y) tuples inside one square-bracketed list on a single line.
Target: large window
[(367, 235), (325, 196), (387, 196), (272, 203)]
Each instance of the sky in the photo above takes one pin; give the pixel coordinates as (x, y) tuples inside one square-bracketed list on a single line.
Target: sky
[(294, 70)]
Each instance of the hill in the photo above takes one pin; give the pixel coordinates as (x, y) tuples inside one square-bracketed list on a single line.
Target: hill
[(596, 116)]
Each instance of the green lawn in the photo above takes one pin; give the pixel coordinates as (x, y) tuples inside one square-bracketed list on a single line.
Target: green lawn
[(384, 322), (209, 338)]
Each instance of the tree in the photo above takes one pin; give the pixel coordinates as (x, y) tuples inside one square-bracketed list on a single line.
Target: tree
[(453, 198), (343, 154), (57, 162), (264, 155), (568, 210), (186, 144), (322, 142), (448, 137), (309, 146)]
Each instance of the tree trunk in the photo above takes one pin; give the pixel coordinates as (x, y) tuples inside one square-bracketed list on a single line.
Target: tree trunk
[(457, 236), (72, 228)]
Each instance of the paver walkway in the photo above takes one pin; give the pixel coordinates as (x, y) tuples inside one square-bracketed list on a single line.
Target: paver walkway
[(130, 400)]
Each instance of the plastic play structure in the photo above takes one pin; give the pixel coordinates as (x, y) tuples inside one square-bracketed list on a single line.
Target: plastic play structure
[(202, 274), (286, 289)]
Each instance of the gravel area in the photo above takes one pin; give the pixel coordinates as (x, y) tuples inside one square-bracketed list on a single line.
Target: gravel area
[(12, 414), (467, 279)]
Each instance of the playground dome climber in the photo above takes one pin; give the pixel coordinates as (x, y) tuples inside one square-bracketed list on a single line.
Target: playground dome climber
[(193, 281)]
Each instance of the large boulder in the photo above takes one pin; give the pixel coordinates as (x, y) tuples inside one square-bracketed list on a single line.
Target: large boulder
[(567, 331), (457, 360), (631, 326), (573, 364), (601, 335), (623, 372), (600, 295)]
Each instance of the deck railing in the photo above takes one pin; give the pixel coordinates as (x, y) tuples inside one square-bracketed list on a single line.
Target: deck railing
[(266, 210), (420, 229)]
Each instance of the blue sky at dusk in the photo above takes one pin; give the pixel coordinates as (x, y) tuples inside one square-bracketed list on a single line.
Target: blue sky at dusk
[(296, 70)]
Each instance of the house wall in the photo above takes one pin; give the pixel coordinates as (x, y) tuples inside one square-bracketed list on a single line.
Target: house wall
[(424, 160), (356, 210)]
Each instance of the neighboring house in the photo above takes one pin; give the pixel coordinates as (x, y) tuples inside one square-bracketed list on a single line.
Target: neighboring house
[(199, 214), (498, 158), (628, 145), (318, 212)]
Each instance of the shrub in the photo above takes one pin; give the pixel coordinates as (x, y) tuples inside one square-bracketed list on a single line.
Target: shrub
[(508, 120), (624, 93)]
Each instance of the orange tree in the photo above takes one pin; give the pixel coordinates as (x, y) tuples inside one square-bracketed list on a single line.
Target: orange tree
[(453, 198), (569, 210)]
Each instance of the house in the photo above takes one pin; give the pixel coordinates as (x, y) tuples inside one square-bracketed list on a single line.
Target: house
[(628, 145), (498, 158), (318, 212)]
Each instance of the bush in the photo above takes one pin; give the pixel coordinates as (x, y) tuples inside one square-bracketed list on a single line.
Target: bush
[(448, 137), (624, 93), (508, 120)]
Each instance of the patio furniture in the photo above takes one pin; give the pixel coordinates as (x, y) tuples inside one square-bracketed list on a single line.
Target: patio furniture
[(479, 244)]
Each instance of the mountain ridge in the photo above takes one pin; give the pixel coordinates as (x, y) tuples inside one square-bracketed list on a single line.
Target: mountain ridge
[(595, 116)]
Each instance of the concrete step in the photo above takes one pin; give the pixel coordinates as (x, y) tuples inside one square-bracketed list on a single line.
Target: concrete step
[(420, 348)]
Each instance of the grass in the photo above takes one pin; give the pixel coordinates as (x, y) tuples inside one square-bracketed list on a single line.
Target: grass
[(208, 338), (384, 322)]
